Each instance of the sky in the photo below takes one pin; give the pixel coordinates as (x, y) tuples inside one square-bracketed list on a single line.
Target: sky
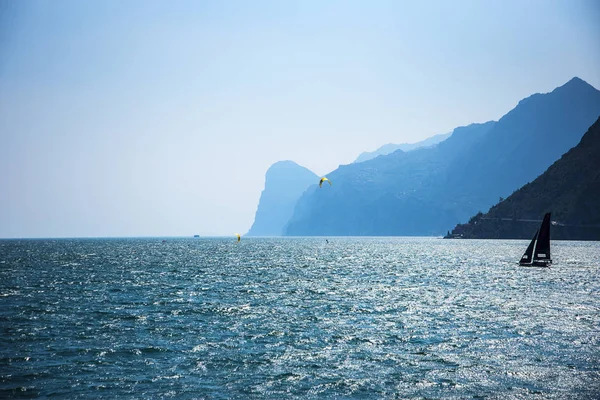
[(160, 118)]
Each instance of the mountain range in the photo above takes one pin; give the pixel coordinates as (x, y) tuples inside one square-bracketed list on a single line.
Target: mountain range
[(390, 147), (428, 190)]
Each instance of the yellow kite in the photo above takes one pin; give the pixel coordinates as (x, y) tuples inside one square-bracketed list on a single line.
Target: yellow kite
[(323, 179)]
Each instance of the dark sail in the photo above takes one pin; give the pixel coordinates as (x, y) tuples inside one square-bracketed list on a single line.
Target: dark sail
[(527, 256), (542, 249)]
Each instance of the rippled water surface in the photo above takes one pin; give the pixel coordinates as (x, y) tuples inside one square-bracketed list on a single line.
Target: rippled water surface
[(279, 318)]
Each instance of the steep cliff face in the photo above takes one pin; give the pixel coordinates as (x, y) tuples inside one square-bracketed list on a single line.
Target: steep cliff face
[(285, 181), (428, 191)]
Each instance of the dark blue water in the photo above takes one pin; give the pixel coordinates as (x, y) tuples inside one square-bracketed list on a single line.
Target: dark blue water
[(279, 318)]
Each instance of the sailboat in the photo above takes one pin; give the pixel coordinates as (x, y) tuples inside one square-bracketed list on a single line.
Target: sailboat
[(538, 251)]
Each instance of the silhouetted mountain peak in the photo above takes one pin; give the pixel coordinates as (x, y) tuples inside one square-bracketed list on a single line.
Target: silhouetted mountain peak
[(285, 181), (281, 169), (575, 88), (282, 164), (575, 81)]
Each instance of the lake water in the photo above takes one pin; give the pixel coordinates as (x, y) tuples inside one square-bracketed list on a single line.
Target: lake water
[(297, 317)]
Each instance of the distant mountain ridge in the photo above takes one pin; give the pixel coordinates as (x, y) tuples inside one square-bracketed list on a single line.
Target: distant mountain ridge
[(569, 188), (369, 198), (390, 147), (284, 183), (428, 190)]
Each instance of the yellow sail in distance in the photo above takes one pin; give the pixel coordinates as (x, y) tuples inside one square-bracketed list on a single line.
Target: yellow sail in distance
[(323, 179), (238, 236)]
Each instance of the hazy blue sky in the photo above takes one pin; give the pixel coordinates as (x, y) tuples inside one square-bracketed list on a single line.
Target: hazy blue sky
[(126, 118)]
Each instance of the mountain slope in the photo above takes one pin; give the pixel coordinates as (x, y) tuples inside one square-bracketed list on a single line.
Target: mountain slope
[(284, 183), (526, 141), (570, 189), (390, 148), (378, 196), (427, 191)]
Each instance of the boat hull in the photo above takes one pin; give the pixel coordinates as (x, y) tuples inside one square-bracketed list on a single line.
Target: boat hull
[(543, 264)]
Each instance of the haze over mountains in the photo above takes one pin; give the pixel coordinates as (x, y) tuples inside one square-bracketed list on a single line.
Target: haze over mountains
[(396, 194), (570, 189), (390, 147), (284, 183), (429, 190)]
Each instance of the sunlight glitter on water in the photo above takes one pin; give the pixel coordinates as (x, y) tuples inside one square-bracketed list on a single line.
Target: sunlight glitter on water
[(297, 317)]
